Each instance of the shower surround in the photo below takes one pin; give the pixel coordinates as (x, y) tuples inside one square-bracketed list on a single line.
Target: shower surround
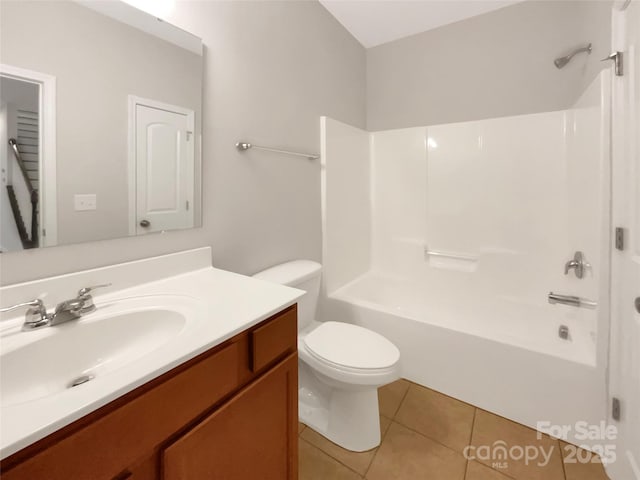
[(447, 239)]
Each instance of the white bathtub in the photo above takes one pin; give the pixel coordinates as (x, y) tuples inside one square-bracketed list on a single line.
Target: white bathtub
[(461, 302), (498, 352)]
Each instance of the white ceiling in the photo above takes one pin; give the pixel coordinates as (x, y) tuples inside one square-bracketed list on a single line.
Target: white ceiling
[(374, 22)]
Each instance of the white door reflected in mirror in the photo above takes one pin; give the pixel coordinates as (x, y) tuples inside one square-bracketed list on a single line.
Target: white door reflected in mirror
[(162, 166)]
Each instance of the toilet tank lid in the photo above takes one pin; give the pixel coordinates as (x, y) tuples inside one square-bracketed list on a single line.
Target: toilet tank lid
[(290, 273)]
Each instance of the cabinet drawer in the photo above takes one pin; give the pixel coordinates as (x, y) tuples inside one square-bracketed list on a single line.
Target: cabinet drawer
[(253, 436), (274, 339), (119, 436)]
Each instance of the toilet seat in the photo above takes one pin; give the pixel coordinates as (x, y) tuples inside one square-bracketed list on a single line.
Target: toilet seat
[(350, 349)]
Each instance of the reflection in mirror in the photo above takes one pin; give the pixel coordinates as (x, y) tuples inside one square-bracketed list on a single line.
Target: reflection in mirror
[(19, 115), (99, 123)]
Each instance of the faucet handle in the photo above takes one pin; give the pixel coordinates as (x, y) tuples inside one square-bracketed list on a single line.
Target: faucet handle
[(36, 304), (86, 290), (86, 300), (35, 317), (569, 265), (578, 264)]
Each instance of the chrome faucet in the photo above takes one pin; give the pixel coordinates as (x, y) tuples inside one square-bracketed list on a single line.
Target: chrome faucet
[(37, 316), (75, 307), (577, 264)]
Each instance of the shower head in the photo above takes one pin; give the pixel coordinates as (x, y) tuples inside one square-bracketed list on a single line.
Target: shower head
[(562, 61)]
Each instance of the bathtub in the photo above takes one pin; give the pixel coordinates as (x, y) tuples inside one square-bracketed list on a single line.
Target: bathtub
[(498, 352), (461, 303)]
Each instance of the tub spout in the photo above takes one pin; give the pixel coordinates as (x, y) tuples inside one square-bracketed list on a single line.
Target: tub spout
[(570, 300)]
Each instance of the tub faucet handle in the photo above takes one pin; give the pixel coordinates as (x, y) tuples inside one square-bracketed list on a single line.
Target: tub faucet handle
[(577, 264)]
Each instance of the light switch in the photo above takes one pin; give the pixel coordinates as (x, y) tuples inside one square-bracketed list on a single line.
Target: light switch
[(84, 202)]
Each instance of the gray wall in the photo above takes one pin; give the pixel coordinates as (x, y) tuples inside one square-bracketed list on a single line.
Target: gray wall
[(492, 65), (97, 62), (271, 70)]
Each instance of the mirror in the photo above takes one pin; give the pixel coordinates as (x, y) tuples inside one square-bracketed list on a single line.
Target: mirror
[(100, 112)]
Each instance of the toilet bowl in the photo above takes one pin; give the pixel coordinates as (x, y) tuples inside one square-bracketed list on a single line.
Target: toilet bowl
[(341, 366)]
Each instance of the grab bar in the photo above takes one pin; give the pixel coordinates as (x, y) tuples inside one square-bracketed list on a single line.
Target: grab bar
[(570, 300)]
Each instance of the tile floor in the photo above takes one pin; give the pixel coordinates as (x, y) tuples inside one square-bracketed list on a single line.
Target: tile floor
[(423, 436)]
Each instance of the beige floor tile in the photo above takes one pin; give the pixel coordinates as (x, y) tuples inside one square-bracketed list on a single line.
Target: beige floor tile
[(442, 418), (384, 425), (390, 396), (317, 465), (491, 432), (407, 455), (358, 461), (581, 464), (301, 427), (477, 471)]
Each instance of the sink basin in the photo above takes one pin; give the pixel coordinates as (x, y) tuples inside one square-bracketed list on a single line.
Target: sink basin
[(79, 351)]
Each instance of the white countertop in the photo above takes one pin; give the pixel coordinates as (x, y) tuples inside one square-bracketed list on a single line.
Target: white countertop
[(220, 305)]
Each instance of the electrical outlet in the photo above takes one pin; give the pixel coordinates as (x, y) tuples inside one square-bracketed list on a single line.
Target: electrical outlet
[(84, 202)]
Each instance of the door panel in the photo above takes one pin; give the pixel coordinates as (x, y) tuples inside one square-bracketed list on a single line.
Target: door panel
[(164, 157), (625, 319), (164, 167)]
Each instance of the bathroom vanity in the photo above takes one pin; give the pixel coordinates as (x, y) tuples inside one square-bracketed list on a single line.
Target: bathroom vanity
[(218, 399)]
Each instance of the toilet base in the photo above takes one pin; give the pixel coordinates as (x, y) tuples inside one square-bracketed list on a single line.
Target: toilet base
[(348, 417), (354, 421)]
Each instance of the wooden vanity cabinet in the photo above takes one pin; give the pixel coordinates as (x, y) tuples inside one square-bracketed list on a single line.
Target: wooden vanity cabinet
[(249, 437), (231, 413)]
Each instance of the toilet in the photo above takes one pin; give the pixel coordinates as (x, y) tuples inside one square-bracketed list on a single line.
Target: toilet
[(341, 365)]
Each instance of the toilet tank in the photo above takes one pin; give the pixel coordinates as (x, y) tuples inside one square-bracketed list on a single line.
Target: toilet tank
[(302, 274)]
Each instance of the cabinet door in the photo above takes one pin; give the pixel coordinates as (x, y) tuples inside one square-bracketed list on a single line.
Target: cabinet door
[(146, 469), (253, 436)]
